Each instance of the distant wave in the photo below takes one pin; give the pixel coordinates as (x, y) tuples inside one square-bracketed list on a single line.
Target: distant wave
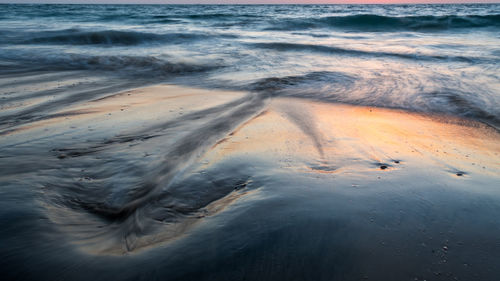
[(367, 21), (370, 22), (161, 19), (212, 18), (136, 62), (283, 46), (218, 16), (133, 65), (113, 37)]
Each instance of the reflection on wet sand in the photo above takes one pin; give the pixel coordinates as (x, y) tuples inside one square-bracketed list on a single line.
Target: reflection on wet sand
[(156, 168), (176, 191), (327, 137), (108, 161)]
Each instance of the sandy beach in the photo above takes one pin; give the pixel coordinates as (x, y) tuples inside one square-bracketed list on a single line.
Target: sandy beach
[(158, 168), (287, 142)]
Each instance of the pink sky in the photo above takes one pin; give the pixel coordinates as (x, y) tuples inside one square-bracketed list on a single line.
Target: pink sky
[(249, 1)]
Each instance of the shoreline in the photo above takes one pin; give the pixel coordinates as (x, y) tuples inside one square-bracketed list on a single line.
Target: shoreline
[(157, 169), (249, 142), (299, 136)]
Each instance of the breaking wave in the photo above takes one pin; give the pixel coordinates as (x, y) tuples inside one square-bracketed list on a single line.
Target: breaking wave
[(283, 46), (113, 37), (134, 65), (371, 22), (331, 86)]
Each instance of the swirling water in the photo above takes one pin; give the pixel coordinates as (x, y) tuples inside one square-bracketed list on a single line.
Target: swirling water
[(429, 58), (110, 197)]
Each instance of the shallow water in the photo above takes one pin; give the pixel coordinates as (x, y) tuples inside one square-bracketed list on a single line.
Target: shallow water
[(266, 171), (427, 58)]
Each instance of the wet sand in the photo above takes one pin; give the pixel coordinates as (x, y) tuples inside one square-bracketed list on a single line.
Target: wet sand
[(221, 185)]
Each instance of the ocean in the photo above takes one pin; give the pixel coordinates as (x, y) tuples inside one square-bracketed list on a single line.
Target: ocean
[(104, 175), (425, 58)]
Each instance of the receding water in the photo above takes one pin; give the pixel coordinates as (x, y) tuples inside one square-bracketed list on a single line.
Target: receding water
[(218, 185), (429, 58)]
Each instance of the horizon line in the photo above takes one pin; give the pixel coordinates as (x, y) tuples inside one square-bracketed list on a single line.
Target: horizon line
[(262, 4)]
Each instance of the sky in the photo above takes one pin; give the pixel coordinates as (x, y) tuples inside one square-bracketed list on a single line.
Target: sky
[(246, 1)]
